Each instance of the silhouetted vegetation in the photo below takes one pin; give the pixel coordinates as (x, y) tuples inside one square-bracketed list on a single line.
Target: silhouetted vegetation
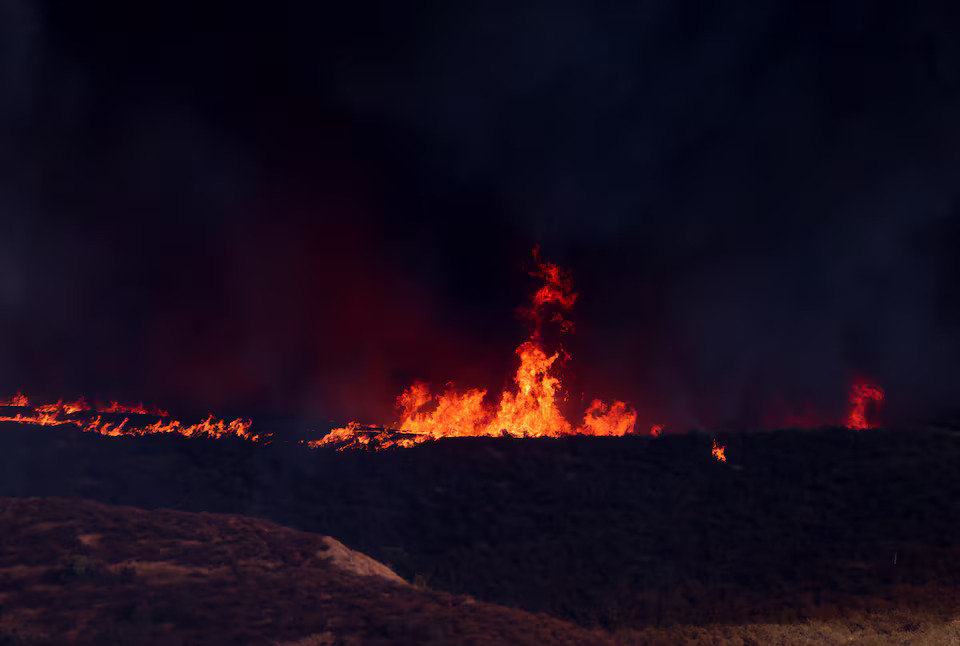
[(612, 532)]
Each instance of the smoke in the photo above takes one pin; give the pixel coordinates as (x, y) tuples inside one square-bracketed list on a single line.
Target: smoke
[(19, 51), (315, 206), (777, 182)]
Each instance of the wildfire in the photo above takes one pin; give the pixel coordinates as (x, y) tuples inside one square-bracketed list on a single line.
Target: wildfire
[(529, 410), (78, 413), (861, 394)]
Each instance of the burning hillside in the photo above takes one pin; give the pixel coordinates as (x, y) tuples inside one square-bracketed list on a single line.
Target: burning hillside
[(531, 407)]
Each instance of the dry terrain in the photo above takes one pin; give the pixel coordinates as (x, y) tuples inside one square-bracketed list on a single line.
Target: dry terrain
[(826, 536), (81, 572)]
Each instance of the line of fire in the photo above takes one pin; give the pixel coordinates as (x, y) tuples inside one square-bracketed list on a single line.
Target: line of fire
[(530, 408)]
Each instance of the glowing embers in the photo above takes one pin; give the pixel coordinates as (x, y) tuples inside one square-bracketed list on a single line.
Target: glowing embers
[(91, 419), (530, 409)]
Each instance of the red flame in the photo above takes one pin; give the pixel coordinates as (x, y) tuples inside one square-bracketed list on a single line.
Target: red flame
[(69, 408), (863, 397), (861, 394), (557, 291)]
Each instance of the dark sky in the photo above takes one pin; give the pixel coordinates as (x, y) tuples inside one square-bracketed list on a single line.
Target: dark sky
[(298, 208)]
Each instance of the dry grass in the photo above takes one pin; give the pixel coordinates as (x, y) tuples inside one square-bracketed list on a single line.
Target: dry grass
[(89, 573), (908, 631), (928, 616), (167, 577)]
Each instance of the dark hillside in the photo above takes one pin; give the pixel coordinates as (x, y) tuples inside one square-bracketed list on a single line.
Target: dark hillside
[(602, 531), (79, 572)]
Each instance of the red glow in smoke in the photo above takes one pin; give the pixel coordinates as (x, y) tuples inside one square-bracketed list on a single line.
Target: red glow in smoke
[(862, 394)]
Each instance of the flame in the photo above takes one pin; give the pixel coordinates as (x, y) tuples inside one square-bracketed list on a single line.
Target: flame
[(557, 291), (138, 409), (617, 419), (530, 409), (861, 394), (719, 452), (61, 413), (463, 411), (17, 401), (68, 408), (349, 433)]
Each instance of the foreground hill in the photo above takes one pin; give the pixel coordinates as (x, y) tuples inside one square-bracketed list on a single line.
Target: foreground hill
[(628, 534), (85, 573)]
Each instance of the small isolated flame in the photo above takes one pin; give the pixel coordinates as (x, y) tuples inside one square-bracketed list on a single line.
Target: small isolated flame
[(862, 394), (62, 413), (656, 430), (529, 410), (719, 452)]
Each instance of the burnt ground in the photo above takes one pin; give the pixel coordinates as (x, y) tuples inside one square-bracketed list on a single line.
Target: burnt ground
[(619, 533)]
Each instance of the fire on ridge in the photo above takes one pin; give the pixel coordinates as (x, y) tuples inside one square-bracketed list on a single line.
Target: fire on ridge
[(529, 409), (89, 418)]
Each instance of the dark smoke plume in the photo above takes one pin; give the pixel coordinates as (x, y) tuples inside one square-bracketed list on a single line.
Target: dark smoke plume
[(301, 208)]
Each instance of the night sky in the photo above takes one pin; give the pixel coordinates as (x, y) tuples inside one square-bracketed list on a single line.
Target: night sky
[(299, 208)]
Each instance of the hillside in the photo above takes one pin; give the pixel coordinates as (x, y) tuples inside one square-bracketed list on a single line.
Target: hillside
[(86, 573), (625, 534)]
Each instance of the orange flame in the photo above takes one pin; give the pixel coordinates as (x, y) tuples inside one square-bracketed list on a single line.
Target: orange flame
[(617, 419), (17, 401), (68, 408), (138, 409), (81, 406), (862, 394), (531, 410), (719, 452), (62, 413)]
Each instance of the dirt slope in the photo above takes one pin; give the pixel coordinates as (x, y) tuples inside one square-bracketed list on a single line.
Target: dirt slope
[(88, 573)]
